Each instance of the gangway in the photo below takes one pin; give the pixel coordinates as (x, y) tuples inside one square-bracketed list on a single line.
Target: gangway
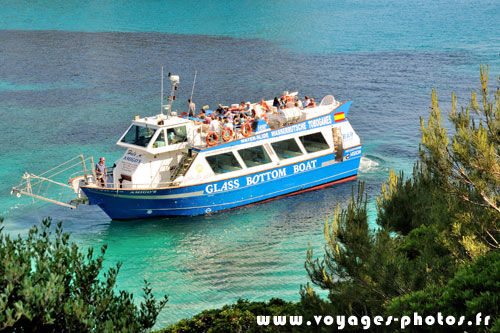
[(49, 187)]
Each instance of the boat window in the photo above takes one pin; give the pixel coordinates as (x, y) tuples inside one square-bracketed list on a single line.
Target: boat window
[(314, 142), (286, 149), (160, 140), (138, 135), (254, 156), (223, 163), (176, 135)]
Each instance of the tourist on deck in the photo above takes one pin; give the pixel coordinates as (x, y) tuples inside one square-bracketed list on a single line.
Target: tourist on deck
[(312, 103), (228, 123), (242, 106), (264, 106), (283, 102), (276, 103), (202, 114), (215, 125), (253, 114), (307, 101), (220, 110), (192, 108), (237, 121), (101, 172), (229, 115)]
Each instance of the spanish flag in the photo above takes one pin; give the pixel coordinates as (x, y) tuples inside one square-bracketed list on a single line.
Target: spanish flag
[(340, 116)]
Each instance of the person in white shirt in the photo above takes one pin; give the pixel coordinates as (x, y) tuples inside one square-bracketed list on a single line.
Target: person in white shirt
[(215, 125), (306, 102), (228, 124)]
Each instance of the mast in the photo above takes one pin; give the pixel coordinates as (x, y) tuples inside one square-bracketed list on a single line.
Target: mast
[(174, 79), (194, 81), (161, 103)]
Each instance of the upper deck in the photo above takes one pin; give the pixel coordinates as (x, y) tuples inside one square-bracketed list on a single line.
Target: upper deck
[(164, 133)]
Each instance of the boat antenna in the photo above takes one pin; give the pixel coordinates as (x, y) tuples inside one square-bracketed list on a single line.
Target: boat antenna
[(194, 81), (161, 105), (174, 79)]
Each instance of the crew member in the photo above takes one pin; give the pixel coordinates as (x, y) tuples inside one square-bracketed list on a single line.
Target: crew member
[(101, 172)]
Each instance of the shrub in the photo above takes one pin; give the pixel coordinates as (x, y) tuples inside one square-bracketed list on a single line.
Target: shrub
[(48, 284)]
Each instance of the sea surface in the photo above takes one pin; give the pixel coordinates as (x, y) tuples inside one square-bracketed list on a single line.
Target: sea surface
[(73, 74)]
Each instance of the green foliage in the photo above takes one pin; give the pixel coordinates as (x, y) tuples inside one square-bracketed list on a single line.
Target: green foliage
[(475, 288), (365, 269), (47, 284), (446, 215), (406, 204), (238, 317), (469, 167)]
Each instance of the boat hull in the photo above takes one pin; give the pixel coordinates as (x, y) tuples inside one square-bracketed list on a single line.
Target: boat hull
[(210, 197)]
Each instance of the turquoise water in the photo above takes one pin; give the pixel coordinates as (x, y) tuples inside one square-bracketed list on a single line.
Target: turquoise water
[(73, 75)]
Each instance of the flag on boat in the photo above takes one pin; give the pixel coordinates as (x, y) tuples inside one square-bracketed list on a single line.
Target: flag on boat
[(339, 116)]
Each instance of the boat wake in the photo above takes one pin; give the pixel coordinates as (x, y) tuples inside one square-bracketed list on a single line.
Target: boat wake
[(370, 163)]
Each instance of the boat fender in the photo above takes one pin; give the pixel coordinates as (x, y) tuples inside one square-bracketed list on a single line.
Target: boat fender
[(212, 138), (246, 129), (227, 134)]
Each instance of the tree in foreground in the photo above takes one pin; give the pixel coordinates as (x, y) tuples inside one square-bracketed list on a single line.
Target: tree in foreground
[(48, 284), (433, 230), (467, 167)]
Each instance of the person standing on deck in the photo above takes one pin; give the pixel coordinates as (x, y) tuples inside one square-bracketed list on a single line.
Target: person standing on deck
[(192, 108), (101, 172), (306, 103)]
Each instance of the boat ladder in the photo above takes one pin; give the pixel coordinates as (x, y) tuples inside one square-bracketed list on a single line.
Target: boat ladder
[(183, 166)]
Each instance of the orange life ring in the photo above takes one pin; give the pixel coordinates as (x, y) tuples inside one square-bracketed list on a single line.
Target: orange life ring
[(290, 99), (229, 135), (265, 117), (212, 138), (246, 129)]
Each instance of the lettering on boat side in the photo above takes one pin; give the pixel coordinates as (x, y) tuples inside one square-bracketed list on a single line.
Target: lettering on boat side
[(289, 129), (264, 177), (255, 138), (143, 192), (314, 123), (304, 166), (130, 161), (353, 152), (260, 178), (226, 186), (322, 121), (348, 136)]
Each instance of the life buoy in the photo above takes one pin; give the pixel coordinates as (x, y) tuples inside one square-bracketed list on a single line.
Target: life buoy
[(227, 134), (212, 138), (265, 117), (246, 129), (290, 99)]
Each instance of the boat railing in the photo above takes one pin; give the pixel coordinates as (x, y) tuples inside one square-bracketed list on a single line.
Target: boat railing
[(52, 185), (133, 186)]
